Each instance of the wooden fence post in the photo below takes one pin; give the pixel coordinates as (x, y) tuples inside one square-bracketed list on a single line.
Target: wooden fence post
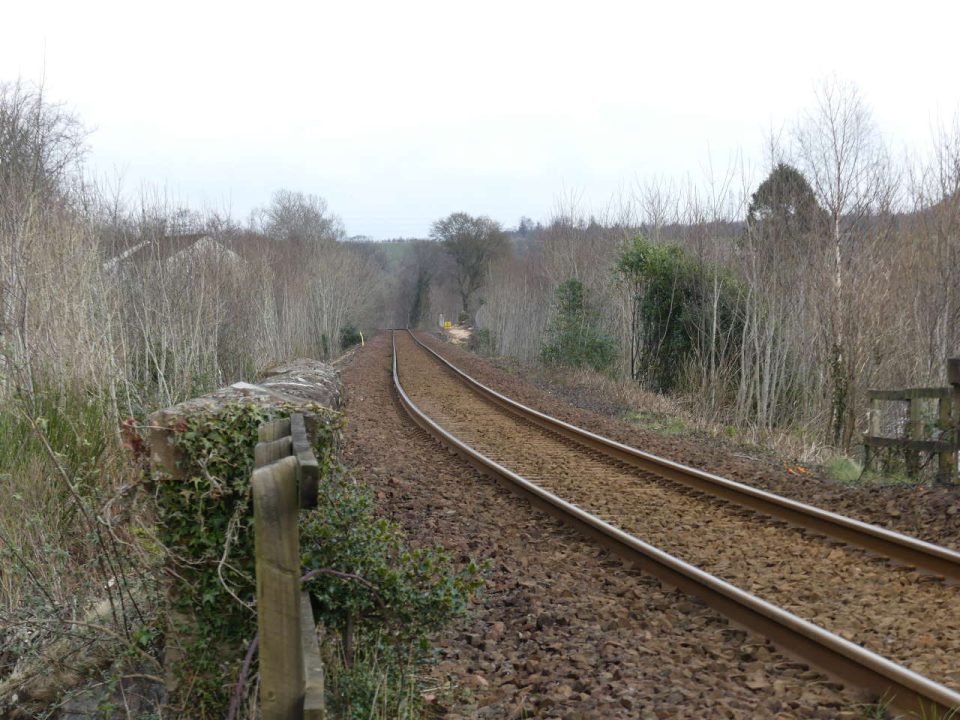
[(167, 459), (276, 508), (270, 451), (873, 429), (953, 418), (309, 468), (273, 430), (314, 707), (914, 432)]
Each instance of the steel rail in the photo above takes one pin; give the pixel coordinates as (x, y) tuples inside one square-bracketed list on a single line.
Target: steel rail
[(841, 658), (907, 550)]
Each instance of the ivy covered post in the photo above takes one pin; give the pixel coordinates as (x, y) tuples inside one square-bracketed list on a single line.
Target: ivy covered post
[(202, 457)]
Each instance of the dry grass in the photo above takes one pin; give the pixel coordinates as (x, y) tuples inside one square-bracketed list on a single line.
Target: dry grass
[(673, 415)]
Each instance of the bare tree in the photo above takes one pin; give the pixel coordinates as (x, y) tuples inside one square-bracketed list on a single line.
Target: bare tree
[(841, 154), (41, 147), (473, 242), (296, 217)]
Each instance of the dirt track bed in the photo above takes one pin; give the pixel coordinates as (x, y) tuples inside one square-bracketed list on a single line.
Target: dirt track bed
[(562, 630), (932, 514), (894, 612)]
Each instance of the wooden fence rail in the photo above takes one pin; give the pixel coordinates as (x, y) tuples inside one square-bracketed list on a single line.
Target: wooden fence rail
[(284, 480), (945, 446)]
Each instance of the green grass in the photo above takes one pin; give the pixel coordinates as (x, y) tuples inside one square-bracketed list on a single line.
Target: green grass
[(843, 470), (39, 518), (883, 710), (657, 422), (846, 471), (76, 425), (378, 684)]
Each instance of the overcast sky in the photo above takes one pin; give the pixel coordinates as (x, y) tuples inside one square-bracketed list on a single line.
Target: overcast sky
[(399, 113)]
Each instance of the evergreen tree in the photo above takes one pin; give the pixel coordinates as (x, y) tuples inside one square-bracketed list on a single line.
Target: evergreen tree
[(784, 213), (575, 337)]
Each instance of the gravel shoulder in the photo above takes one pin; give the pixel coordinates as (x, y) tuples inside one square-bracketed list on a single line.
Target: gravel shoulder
[(932, 514), (562, 630)]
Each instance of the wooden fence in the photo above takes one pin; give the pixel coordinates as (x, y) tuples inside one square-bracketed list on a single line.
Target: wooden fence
[(285, 479), (912, 438)]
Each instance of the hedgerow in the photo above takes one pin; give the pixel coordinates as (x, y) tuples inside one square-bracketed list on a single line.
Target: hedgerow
[(205, 522)]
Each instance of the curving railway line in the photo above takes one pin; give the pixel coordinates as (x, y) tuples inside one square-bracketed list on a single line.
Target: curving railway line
[(873, 607)]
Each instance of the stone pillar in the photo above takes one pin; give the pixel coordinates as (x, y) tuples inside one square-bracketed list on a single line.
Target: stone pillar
[(302, 386)]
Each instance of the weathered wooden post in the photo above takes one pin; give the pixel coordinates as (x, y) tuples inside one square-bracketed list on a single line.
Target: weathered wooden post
[(311, 387), (309, 467), (314, 705), (952, 414), (166, 460), (280, 695), (914, 432), (946, 456), (276, 508), (873, 430)]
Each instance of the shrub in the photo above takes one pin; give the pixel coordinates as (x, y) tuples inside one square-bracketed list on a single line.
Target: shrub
[(417, 589), (350, 336), (482, 341), (574, 336), (69, 550), (672, 304), (382, 632)]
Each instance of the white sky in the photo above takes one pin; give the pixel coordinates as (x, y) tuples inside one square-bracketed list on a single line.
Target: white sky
[(399, 113)]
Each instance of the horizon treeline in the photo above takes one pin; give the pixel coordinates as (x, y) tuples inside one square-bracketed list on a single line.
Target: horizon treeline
[(770, 299), (771, 302)]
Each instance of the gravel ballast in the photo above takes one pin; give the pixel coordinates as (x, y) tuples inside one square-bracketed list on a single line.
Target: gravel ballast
[(929, 513), (898, 613), (562, 629)]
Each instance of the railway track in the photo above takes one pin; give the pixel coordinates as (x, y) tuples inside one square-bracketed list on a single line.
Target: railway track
[(819, 584)]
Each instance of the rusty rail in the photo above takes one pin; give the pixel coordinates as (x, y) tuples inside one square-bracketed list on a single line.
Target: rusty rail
[(839, 657)]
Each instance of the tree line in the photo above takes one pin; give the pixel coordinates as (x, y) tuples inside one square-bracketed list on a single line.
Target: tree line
[(151, 301), (110, 309), (772, 303)]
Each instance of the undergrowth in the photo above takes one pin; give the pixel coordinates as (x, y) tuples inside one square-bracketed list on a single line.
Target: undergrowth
[(678, 415), (843, 470), (78, 596), (378, 612), (378, 636), (78, 543), (204, 522)]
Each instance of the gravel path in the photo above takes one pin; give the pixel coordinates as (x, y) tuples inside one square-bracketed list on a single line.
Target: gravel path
[(897, 613), (563, 630)]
